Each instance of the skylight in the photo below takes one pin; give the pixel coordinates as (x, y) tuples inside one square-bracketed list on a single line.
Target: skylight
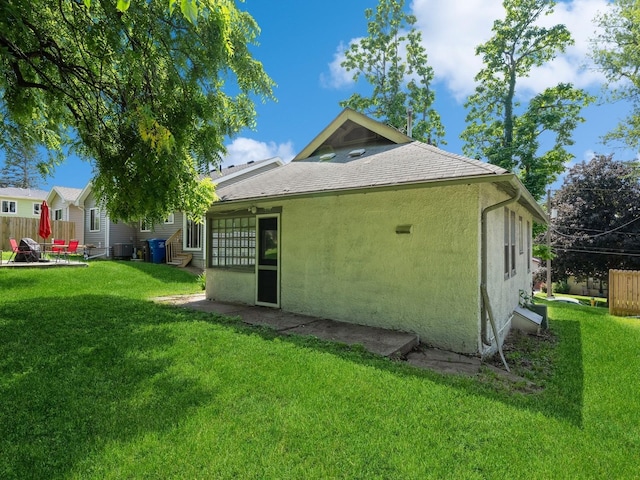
[(327, 156)]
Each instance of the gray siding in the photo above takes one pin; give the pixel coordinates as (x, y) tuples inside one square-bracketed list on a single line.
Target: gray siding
[(98, 238), (76, 215), (121, 233), (110, 232)]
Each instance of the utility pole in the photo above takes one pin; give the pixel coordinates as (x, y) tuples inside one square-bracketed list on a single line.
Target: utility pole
[(549, 284)]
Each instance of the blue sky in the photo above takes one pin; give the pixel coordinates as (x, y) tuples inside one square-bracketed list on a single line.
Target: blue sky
[(301, 45)]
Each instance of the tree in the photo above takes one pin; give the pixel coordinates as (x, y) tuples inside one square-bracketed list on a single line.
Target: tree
[(20, 167), (500, 128), (615, 52), (598, 222), (147, 95), (397, 83)]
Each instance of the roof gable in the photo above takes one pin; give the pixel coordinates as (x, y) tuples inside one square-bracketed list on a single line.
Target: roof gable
[(351, 129), (66, 194)]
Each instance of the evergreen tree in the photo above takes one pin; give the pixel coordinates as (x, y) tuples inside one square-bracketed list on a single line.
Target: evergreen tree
[(20, 167)]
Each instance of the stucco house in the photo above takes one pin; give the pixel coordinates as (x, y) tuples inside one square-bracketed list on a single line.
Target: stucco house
[(21, 202), (368, 226)]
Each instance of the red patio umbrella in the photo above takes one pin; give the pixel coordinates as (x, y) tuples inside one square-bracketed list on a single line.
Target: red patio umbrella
[(45, 221)]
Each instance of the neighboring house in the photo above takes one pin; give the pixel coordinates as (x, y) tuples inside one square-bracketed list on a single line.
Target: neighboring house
[(113, 239), (368, 226), (102, 234), (63, 205), (21, 202), (188, 235), (590, 287)]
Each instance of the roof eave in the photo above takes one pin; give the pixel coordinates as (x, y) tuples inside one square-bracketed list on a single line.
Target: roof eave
[(441, 182)]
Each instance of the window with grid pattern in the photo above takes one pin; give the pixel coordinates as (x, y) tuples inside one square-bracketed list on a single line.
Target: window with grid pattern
[(233, 242)]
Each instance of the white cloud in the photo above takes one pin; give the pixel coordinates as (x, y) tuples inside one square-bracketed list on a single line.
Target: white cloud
[(243, 150), (452, 30), (338, 77)]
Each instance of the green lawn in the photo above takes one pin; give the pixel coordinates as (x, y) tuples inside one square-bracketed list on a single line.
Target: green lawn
[(96, 381)]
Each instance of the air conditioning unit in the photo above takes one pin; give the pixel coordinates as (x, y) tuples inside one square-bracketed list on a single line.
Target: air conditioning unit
[(122, 250)]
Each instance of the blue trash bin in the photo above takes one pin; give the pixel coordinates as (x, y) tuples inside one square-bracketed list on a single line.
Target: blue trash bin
[(158, 250)]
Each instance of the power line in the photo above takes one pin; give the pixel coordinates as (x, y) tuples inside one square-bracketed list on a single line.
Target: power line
[(607, 232), (598, 252)]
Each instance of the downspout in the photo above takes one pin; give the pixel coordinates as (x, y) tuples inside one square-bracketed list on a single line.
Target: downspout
[(486, 304)]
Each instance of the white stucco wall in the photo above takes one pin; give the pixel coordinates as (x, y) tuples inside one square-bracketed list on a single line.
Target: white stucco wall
[(231, 286), (341, 258), (504, 293)]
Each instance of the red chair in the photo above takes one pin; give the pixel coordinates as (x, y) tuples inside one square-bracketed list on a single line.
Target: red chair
[(28, 255), (72, 249), (14, 247), (57, 250)]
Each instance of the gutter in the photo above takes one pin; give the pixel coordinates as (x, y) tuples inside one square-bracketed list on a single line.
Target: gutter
[(486, 303)]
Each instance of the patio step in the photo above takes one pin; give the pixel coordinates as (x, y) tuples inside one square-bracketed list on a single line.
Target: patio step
[(181, 260)]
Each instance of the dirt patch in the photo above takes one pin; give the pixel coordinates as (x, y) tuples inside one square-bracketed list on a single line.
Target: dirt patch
[(530, 357)]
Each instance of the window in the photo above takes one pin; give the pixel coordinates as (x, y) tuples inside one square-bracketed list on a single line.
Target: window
[(513, 243), (509, 243), (506, 244), (528, 233), (193, 235), (94, 220), (9, 206), (521, 236), (36, 209), (57, 214), (170, 219), (144, 226), (233, 242)]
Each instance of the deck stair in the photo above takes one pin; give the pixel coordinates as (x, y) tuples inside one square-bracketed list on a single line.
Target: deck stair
[(173, 251)]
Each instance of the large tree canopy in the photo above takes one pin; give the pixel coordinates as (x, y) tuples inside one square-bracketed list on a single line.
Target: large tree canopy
[(500, 128), (616, 51), (145, 92), (598, 222), (397, 83)]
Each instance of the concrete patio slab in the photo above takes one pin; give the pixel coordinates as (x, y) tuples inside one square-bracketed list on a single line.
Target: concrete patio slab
[(388, 343), (375, 340), (380, 341)]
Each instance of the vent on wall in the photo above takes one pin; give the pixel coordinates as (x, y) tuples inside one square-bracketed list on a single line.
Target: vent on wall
[(404, 229), (357, 153)]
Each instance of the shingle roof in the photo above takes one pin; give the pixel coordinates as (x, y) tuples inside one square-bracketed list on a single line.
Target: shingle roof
[(68, 194), (33, 193), (216, 175), (382, 165)]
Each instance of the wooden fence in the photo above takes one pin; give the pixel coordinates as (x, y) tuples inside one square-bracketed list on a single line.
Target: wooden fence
[(624, 292), (18, 227)]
